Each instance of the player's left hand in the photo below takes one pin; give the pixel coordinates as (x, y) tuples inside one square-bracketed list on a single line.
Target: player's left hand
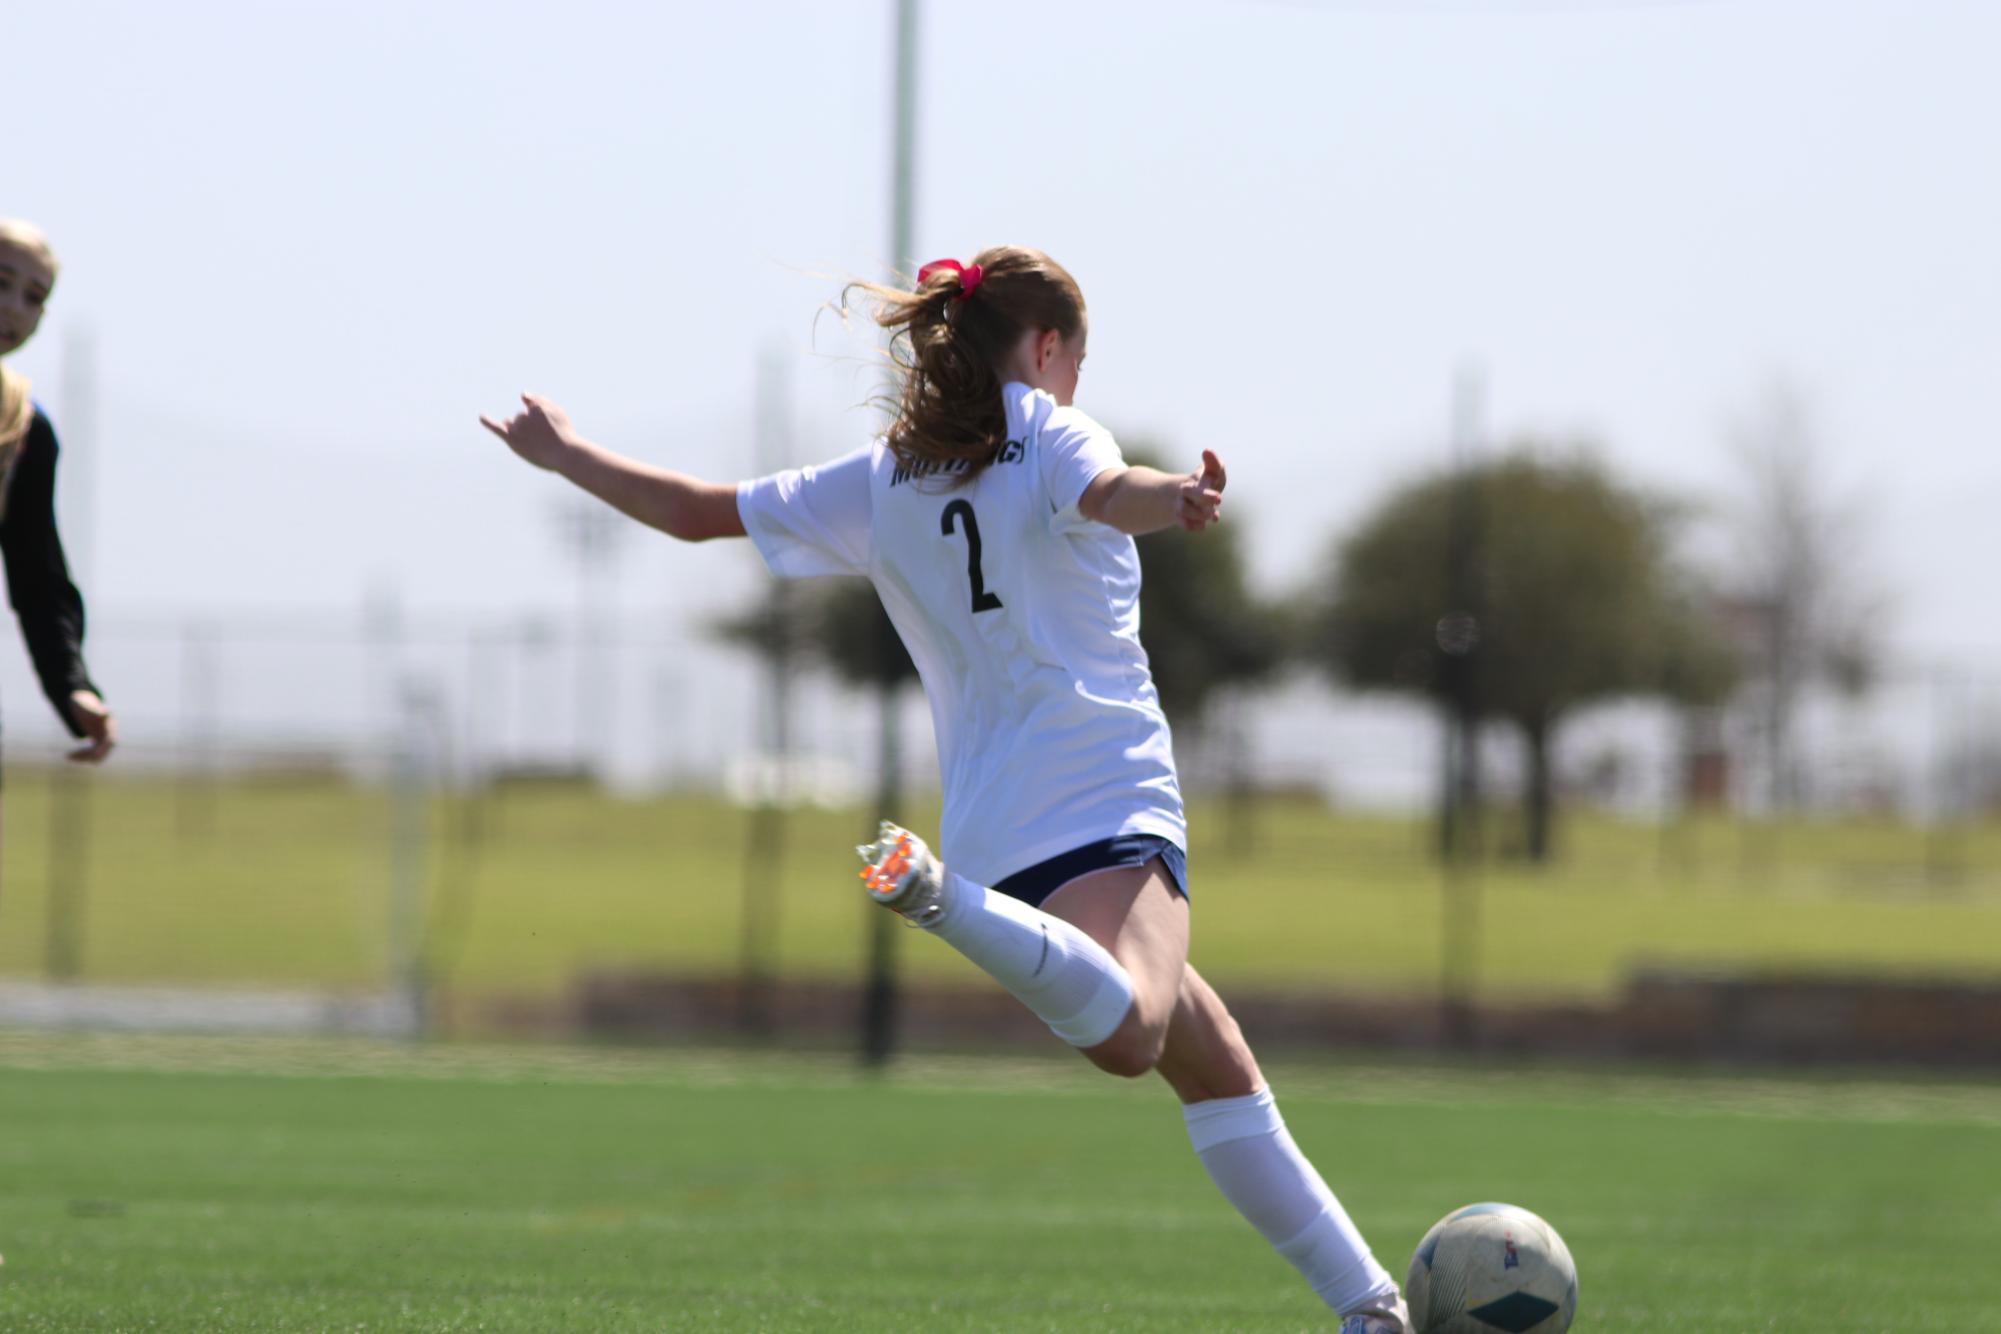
[(94, 717), (1202, 494)]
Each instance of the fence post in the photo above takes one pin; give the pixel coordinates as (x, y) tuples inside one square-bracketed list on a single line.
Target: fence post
[(197, 779), (69, 873), (410, 788)]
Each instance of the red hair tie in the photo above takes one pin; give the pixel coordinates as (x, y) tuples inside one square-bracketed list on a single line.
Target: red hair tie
[(969, 275)]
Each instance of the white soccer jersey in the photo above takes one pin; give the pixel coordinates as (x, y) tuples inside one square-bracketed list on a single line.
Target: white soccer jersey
[(1022, 617)]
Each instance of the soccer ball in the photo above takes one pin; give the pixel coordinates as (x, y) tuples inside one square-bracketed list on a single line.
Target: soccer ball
[(1491, 1267)]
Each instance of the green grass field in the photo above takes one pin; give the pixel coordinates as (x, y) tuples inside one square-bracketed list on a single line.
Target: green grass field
[(264, 1185), (285, 881)]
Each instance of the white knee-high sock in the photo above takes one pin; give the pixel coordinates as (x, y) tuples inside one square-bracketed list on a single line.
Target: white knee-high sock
[(1071, 981), (1253, 1161)]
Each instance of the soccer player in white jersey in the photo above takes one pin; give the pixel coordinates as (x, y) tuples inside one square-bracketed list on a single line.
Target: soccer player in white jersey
[(996, 522)]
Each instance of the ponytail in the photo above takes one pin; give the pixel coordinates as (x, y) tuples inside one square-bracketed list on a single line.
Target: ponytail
[(950, 338)]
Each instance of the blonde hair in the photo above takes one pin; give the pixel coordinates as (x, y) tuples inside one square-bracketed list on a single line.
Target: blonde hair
[(950, 339), (24, 235), (17, 414), (17, 407)]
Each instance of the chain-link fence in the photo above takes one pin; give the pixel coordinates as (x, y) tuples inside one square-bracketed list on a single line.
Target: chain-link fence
[(317, 823)]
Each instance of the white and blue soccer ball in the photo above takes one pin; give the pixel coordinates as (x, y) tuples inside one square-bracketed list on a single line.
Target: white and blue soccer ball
[(1488, 1268)]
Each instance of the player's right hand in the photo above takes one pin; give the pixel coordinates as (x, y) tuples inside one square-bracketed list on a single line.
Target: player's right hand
[(1202, 494), (540, 433), (99, 728)]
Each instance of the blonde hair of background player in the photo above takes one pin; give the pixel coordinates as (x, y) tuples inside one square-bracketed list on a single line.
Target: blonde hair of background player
[(17, 410)]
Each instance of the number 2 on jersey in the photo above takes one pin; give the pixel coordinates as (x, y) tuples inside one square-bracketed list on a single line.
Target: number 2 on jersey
[(963, 509)]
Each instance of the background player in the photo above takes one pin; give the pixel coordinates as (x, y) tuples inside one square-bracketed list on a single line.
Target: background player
[(46, 602)]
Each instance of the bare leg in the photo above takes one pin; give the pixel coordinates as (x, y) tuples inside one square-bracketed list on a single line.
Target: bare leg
[(1178, 1025), (1206, 1055), (1237, 1132), (1138, 916)]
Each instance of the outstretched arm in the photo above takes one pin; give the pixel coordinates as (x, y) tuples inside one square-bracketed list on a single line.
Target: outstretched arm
[(1145, 500), (675, 503), (49, 607)]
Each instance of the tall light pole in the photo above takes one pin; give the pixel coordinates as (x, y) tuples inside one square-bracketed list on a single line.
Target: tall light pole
[(778, 643), (879, 992)]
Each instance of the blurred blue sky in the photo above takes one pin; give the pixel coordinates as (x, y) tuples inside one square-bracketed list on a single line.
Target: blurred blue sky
[(311, 241)]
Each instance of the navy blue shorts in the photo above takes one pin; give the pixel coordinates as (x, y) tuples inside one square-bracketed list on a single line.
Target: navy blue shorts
[(1041, 880)]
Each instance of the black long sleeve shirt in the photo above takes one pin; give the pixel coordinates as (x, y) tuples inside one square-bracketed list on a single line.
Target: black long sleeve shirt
[(38, 583)]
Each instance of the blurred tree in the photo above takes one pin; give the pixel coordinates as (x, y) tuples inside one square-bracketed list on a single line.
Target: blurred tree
[(780, 631), (1205, 633), (1203, 628), (1802, 611), (1573, 598), (852, 632)]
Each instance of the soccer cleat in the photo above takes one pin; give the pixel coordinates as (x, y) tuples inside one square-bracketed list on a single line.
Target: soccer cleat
[(1395, 1319), (903, 876)]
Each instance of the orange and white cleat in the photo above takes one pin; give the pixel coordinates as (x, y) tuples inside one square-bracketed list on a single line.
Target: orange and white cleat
[(904, 876)]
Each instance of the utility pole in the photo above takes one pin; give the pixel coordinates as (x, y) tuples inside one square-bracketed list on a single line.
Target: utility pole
[(764, 848), (879, 995), (69, 794), (197, 785), (592, 531), (1458, 635)]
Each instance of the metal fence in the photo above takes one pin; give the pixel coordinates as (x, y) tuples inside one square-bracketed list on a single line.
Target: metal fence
[(307, 811)]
